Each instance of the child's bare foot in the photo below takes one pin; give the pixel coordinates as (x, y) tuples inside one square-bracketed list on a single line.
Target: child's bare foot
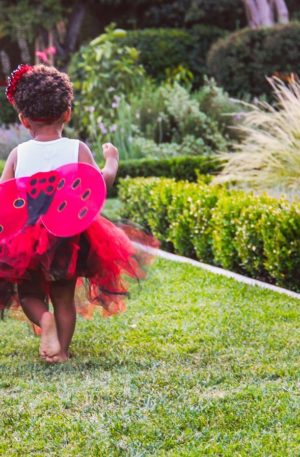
[(61, 357), (49, 346)]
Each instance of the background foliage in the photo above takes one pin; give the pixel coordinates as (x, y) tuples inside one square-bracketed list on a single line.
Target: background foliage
[(7, 113), (164, 49), (241, 61), (102, 73)]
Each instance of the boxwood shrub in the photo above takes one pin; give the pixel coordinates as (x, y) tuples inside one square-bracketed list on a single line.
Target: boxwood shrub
[(160, 49), (241, 61), (181, 168), (190, 218), (168, 48), (253, 234), (280, 229)]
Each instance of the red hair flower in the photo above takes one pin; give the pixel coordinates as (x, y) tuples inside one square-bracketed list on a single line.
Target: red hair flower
[(13, 79)]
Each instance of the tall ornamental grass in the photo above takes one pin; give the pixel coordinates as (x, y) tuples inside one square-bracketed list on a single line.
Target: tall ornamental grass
[(268, 156)]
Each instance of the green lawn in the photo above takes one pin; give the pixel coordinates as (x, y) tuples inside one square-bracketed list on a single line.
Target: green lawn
[(199, 365), (112, 208)]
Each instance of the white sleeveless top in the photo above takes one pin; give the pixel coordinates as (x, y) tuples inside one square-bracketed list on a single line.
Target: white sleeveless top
[(34, 156)]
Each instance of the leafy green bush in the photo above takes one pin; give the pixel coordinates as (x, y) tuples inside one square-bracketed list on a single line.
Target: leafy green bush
[(102, 73), (160, 49), (136, 192), (237, 237), (165, 49), (115, 102), (217, 105), (149, 113), (249, 241), (143, 148), (146, 148), (171, 113), (160, 199), (256, 234), (179, 168), (190, 216), (187, 118), (8, 114), (280, 229), (241, 61), (203, 37), (226, 217)]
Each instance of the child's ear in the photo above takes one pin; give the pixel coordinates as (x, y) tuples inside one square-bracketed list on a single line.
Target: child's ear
[(67, 116), (24, 121)]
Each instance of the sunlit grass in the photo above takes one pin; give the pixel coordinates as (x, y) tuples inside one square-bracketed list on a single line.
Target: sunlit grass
[(198, 365)]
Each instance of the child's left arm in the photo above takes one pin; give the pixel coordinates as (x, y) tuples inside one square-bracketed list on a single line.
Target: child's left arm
[(9, 167)]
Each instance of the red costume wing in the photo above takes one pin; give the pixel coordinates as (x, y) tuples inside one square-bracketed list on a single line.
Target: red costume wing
[(13, 209), (79, 196), (65, 200)]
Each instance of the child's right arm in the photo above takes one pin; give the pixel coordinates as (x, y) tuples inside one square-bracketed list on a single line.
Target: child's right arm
[(111, 156), (10, 166)]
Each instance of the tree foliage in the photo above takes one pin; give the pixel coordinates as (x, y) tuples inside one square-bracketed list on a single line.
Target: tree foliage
[(32, 23)]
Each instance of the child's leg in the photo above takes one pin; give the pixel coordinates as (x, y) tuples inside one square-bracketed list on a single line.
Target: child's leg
[(62, 297), (32, 299)]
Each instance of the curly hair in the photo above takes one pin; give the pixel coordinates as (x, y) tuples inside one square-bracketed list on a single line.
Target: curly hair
[(43, 93)]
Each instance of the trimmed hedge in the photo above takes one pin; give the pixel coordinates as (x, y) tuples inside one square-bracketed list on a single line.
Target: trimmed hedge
[(241, 61), (162, 49), (177, 167), (252, 234), (181, 168)]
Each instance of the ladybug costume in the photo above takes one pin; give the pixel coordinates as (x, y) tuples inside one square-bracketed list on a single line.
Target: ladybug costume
[(50, 226)]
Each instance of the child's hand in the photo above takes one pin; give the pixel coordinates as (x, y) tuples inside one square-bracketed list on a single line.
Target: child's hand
[(111, 156), (110, 152)]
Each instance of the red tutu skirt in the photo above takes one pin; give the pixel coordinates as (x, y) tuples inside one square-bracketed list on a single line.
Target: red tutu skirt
[(102, 258)]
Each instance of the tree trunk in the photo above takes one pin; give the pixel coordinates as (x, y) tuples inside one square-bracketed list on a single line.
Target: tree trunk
[(66, 35), (264, 13), (51, 45), (74, 25), (282, 11), (5, 62), (252, 13), (25, 54)]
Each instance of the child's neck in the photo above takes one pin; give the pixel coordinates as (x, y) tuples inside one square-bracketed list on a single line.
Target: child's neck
[(46, 132)]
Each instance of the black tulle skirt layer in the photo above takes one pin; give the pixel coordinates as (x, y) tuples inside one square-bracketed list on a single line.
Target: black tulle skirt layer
[(101, 259)]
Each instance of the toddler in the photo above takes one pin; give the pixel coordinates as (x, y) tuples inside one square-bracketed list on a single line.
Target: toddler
[(35, 265)]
